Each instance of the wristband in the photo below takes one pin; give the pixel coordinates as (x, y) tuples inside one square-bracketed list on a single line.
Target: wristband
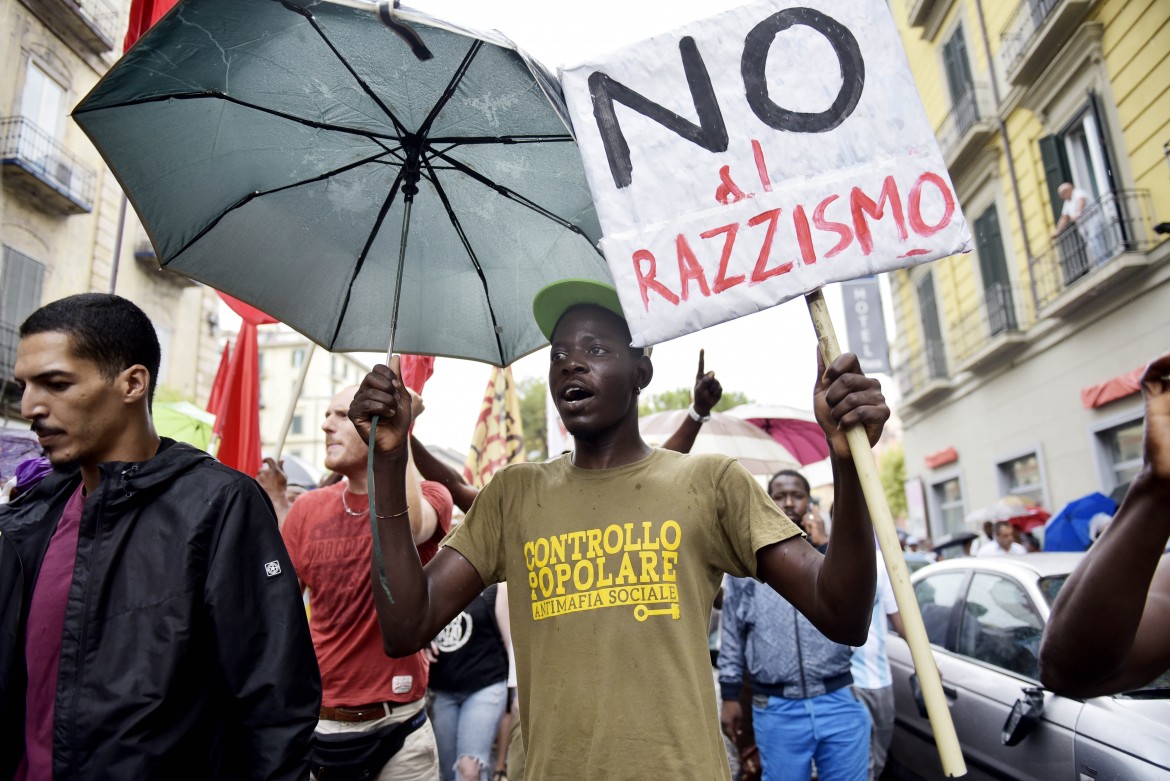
[(695, 416)]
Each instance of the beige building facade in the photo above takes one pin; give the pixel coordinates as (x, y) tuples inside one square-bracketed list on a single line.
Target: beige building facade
[(60, 206)]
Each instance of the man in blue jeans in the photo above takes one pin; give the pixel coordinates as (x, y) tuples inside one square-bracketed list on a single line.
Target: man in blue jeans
[(803, 708)]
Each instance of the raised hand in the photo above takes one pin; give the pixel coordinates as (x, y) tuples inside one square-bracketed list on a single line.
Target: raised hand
[(1156, 390), (383, 394), (845, 397), (707, 391)]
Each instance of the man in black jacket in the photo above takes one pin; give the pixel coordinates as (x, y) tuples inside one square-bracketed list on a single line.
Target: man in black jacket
[(150, 621)]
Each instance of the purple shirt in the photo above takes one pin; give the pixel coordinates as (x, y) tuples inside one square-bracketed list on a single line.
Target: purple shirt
[(42, 643)]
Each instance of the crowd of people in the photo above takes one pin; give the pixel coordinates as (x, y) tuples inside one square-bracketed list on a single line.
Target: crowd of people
[(154, 621)]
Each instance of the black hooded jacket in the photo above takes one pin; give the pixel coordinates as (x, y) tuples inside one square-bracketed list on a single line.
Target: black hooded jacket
[(185, 651)]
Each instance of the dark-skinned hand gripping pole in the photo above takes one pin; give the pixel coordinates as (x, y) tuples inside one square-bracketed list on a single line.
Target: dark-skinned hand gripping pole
[(883, 524)]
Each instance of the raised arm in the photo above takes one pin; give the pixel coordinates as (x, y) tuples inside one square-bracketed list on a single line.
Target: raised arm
[(433, 469), (421, 601), (1108, 628), (705, 396), (835, 591)]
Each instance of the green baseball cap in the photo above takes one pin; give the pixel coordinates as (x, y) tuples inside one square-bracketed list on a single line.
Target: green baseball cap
[(554, 300)]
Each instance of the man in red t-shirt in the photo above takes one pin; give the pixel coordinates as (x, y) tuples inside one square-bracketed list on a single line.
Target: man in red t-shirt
[(327, 533)]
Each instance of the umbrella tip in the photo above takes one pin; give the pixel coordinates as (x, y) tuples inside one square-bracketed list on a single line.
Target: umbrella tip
[(386, 12)]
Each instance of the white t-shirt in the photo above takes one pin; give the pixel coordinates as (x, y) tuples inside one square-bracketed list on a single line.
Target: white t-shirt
[(993, 549), (1073, 206)]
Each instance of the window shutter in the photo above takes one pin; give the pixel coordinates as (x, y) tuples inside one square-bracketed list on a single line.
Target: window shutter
[(1056, 170), (21, 279)]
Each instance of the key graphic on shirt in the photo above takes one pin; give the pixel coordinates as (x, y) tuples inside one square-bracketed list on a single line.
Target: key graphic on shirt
[(641, 612)]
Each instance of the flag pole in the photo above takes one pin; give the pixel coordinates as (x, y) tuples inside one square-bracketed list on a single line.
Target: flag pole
[(292, 402), (883, 524)]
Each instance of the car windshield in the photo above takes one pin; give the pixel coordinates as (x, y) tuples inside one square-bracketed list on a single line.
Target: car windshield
[(1159, 687)]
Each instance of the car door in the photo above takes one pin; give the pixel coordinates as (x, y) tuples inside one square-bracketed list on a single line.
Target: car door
[(995, 665), (912, 749)]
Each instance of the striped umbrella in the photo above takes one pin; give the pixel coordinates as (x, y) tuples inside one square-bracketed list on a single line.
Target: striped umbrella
[(795, 429), (759, 453)]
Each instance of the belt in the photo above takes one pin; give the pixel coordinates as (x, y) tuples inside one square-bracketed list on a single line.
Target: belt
[(359, 713)]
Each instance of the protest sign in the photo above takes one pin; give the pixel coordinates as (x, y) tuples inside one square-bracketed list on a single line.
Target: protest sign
[(750, 158)]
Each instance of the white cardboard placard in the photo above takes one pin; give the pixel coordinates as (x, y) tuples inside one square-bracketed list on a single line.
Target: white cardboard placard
[(755, 156)]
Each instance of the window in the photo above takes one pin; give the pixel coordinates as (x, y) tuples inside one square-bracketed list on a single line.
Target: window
[(1022, 477), (298, 425), (298, 357), (21, 278), (947, 504), (42, 101), (936, 360), (959, 81), (936, 596), (997, 285), (1000, 625), (1121, 447)]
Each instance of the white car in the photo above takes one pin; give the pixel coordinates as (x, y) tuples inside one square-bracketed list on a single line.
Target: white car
[(985, 618)]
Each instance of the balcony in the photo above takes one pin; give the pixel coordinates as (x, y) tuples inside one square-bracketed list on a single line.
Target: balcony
[(1034, 34), (38, 164), (990, 332), (923, 377), (93, 25), (1104, 249), (966, 129)]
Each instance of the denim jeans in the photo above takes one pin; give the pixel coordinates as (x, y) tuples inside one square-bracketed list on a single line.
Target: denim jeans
[(833, 729), (465, 726)]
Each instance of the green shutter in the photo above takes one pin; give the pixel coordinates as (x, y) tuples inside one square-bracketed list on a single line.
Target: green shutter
[(1056, 170)]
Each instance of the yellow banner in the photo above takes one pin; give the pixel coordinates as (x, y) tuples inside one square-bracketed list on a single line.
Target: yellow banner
[(499, 437)]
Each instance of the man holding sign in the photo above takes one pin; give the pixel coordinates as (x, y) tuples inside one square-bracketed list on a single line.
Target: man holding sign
[(615, 553)]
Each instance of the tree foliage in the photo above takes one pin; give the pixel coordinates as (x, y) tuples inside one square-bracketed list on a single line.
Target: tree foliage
[(893, 473), (533, 392), (680, 398)]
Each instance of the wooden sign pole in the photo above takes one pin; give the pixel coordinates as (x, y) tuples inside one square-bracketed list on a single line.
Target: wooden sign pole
[(883, 524)]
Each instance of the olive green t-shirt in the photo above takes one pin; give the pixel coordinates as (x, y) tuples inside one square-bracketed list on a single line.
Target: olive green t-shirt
[(611, 575)]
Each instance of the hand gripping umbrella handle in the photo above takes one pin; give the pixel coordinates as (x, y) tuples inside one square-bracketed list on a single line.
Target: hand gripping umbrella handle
[(883, 524)]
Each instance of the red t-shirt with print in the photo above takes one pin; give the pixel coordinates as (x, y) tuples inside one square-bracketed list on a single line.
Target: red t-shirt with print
[(331, 550)]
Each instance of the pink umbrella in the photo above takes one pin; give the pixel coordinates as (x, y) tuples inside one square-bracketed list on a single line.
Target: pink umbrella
[(796, 429), (760, 454)]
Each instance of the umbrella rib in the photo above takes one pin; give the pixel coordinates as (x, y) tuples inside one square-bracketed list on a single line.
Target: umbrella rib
[(455, 141), (370, 134), (244, 201), (365, 87), (470, 253), (456, 77), (508, 193), (357, 269)]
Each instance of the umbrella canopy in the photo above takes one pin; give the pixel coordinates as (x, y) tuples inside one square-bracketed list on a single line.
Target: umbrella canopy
[(796, 429), (185, 422), (299, 156), (1068, 530), (1013, 509), (759, 453)]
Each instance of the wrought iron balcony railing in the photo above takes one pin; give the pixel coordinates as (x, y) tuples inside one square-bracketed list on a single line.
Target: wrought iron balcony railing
[(1021, 28), (999, 312), (1114, 224), (27, 150), (922, 369)]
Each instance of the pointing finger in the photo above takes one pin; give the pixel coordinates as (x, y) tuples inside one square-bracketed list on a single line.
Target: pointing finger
[(701, 372)]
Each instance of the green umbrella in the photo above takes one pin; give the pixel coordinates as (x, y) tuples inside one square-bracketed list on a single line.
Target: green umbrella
[(303, 158), (185, 422)]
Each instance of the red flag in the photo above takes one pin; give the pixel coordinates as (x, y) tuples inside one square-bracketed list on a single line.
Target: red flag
[(416, 370), (237, 412), (143, 14), (219, 385)]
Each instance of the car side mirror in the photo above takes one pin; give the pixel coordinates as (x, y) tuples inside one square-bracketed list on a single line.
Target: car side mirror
[(1024, 717)]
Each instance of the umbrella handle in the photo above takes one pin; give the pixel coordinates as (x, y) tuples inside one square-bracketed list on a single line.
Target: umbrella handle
[(883, 525), (378, 561), (387, 12)]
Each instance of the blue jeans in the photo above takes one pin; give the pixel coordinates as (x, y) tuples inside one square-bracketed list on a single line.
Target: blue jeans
[(465, 726), (833, 729)]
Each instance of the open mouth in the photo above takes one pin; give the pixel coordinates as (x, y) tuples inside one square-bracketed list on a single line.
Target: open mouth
[(574, 395)]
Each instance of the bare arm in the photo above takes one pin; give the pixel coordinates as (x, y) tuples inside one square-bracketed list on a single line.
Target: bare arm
[(835, 591), (433, 469), (424, 599), (1107, 631), (423, 517), (273, 480), (705, 396)]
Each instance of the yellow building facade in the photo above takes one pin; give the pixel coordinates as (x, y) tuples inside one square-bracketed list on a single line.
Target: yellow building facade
[(60, 206), (999, 352)]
